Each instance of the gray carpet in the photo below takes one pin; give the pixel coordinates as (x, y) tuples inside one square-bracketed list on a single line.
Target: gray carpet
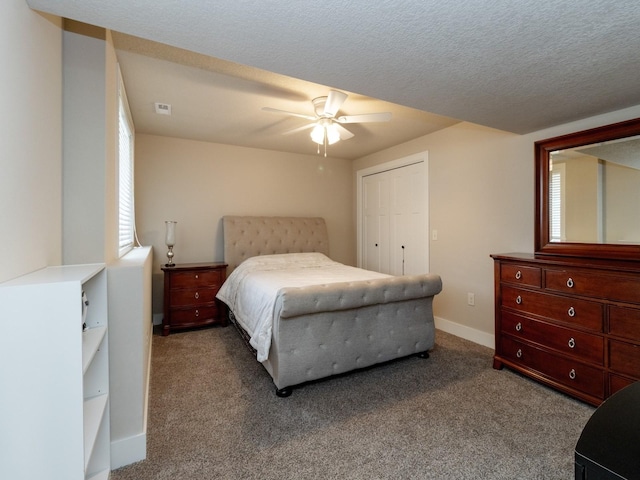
[(213, 414)]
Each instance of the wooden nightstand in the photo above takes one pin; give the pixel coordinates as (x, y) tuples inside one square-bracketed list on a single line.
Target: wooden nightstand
[(190, 296)]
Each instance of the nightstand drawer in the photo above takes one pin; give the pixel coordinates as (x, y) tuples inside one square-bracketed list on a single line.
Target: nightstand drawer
[(196, 278), (193, 296), (193, 316)]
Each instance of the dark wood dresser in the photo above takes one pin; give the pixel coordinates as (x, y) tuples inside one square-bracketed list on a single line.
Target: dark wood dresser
[(570, 323), (190, 295)]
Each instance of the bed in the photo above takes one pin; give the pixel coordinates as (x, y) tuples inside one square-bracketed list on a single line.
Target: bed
[(307, 317)]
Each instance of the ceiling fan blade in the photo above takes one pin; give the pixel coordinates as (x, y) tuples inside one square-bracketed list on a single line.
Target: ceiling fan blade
[(335, 100), (344, 133), (299, 129), (365, 118), (284, 112)]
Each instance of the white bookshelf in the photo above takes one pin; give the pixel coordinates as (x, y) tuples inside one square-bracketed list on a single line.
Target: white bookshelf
[(54, 377)]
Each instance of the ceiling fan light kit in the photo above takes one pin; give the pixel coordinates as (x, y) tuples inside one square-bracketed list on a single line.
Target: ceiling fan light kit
[(327, 128)]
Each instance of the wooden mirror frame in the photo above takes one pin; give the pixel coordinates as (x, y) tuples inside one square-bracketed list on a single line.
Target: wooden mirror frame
[(543, 149)]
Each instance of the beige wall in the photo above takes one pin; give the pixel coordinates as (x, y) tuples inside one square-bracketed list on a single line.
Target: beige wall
[(196, 183), (30, 139)]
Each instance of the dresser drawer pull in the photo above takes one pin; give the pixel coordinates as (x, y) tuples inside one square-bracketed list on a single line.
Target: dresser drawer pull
[(572, 343), (570, 282), (197, 295), (197, 313), (518, 327), (518, 299), (519, 353), (572, 374), (197, 276), (571, 312), (518, 275)]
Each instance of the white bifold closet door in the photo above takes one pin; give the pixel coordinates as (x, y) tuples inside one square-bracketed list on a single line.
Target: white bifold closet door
[(394, 230)]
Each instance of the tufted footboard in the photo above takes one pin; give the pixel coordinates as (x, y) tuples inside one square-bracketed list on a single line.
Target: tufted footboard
[(350, 328)]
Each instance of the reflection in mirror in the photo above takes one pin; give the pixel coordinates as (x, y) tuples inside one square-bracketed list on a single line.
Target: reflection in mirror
[(594, 193)]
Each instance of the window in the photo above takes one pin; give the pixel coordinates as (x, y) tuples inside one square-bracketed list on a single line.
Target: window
[(126, 217), (556, 203)]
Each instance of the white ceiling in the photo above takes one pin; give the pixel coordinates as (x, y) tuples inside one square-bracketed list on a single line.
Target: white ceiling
[(518, 66)]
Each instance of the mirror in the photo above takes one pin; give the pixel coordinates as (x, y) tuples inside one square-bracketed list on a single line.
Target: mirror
[(588, 193)]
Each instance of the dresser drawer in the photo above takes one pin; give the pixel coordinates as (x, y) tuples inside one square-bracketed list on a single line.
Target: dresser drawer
[(624, 358), (573, 311), (196, 278), (567, 372), (585, 346), (194, 316), (521, 275), (193, 296), (594, 284), (624, 322), (617, 382)]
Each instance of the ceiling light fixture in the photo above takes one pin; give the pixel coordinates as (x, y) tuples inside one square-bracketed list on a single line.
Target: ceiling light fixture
[(325, 133)]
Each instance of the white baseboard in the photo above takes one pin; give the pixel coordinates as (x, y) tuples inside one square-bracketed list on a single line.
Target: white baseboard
[(468, 333), (128, 450)]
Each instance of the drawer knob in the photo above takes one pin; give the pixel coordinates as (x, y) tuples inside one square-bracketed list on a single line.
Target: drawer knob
[(519, 353), (570, 282), (197, 295), (572, 343), (197, 276), (518, 327), (571, 312), (518, 299), (572, 374), (518, 275), (197, 313)]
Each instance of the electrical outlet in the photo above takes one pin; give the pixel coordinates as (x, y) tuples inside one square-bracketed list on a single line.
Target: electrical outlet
[(471, 299)]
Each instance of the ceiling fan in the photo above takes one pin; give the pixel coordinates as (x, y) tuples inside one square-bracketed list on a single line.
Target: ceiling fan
[(326, 126)]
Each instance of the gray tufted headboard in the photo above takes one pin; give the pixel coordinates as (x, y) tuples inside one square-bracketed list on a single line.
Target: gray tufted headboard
[(246, 237)]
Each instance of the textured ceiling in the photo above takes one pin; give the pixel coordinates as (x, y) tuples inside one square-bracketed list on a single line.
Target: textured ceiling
[(518, 66)]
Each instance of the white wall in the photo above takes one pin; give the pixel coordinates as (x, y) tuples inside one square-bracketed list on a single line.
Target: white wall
[(30, 139), (90, 145), (197, 183), (481, 202)]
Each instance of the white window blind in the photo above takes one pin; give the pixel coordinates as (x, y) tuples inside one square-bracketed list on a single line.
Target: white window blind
[(126, 217), (556, 203)]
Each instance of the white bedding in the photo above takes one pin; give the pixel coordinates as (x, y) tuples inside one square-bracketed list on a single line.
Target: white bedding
[(253, 287)]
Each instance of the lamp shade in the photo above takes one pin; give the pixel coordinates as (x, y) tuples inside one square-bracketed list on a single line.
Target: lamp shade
[(170, 237), (317, 134)]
